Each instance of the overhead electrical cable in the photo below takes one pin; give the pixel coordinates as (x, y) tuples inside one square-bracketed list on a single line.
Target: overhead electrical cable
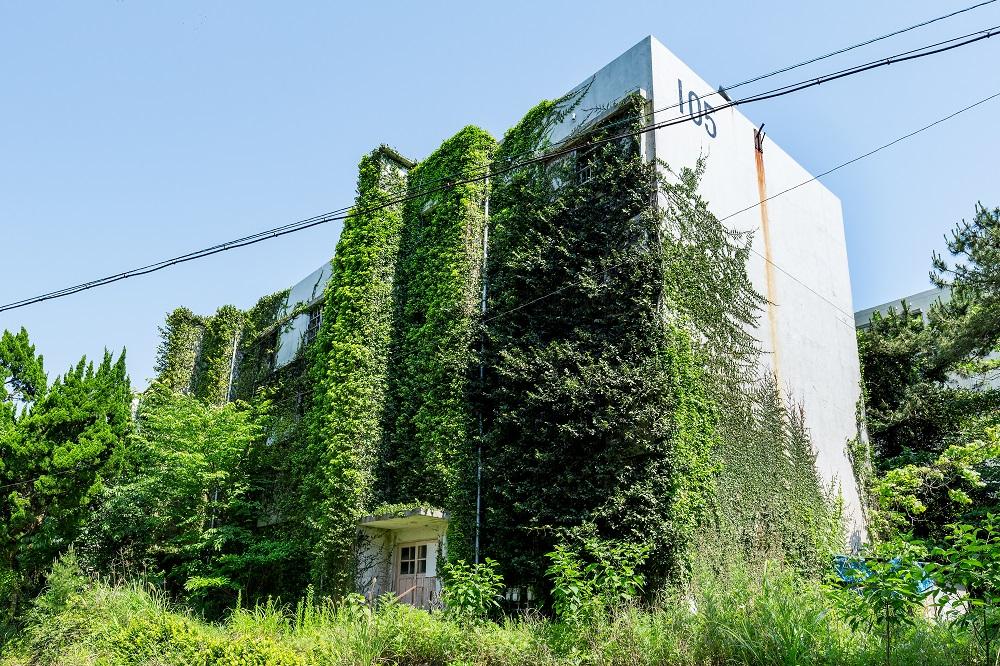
[(774, 196), (845, 49), (575, 137), (344, 213)]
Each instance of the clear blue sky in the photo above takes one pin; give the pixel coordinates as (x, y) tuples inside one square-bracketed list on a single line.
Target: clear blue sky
[(133, 131)]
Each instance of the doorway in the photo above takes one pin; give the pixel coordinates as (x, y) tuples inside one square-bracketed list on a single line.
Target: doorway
[(413, 585)]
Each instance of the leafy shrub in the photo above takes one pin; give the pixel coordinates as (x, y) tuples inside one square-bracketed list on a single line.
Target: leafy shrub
[(588, 580), (887, 588), (471, 591), (969, 578)]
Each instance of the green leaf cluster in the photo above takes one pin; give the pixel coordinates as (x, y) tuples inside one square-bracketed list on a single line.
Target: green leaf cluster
[(349, 367), (55, 453)]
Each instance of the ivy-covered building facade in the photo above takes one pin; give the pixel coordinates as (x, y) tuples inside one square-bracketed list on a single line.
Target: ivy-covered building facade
[(588, 330)]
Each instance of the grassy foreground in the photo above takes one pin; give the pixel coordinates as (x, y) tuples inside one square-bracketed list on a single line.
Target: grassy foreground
[(772, 617)]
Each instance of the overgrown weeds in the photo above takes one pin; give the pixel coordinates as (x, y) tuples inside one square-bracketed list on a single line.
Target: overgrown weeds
[(760, 615)]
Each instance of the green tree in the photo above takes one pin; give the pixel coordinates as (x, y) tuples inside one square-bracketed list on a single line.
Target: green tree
[(972, 317), (887, 591), (931, 437), (924, 498), (182, 508), (54, 461), (911, 410)]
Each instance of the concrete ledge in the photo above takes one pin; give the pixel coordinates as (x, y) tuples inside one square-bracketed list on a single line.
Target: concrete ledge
[(421, 517)]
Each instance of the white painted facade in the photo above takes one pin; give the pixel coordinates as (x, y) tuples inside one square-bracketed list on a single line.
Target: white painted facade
[(800, 254), (799, 261), (305, 295)]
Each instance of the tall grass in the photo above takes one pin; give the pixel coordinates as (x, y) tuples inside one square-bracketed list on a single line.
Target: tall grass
[(742, 616)]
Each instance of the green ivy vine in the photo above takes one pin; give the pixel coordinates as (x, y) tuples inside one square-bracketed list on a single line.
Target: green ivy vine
[(349, 366), (430, 421)]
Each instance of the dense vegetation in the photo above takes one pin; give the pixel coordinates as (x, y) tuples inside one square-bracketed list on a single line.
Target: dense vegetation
[(770, 616), (933, 417), (637, 472)]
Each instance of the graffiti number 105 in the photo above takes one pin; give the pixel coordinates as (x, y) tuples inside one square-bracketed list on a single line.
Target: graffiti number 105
[(699, 110)]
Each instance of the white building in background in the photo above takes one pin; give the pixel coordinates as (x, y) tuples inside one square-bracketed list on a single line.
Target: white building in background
[(799, 263), (920, 305)]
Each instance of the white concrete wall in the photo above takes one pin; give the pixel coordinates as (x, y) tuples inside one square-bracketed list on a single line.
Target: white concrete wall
[(809, 335), (809, 332), (378, 551), (307, 291)]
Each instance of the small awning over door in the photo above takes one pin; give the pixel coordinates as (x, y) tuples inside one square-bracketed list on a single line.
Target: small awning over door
[(400, 555)]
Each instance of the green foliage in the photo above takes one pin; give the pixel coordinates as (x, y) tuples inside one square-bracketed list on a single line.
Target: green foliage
[(605, 399), (471, 591), (217, 355), (924, 498), (583, 387), (21, 370), (180, 510), (886, 590), (257, 345), (969, 575), (55, 456), (933, 441), (180, 338), (591, 579), (349, 367), (767, 615), (706, 284), (769, 498), (910, 411), (430, 421), (972, 318), (610, 384)]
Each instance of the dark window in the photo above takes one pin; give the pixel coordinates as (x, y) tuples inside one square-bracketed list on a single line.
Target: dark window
[(585, 164), (315, 319), (413, 560)]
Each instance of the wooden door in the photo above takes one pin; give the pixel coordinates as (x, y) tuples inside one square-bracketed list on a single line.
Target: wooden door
[(413, 585)]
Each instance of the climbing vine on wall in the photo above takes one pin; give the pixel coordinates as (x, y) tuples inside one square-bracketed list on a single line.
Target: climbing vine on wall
[(349, 365), (594, 404), (430, 421), (619, 335), (180, 338), (217, 355), (258, 342), (621, 390)]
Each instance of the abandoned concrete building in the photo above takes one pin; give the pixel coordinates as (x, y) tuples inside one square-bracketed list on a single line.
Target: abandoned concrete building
[(798, 262)]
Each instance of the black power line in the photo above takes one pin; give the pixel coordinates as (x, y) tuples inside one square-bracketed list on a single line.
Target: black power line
[(855, 46), (489, 172), (766, 199)]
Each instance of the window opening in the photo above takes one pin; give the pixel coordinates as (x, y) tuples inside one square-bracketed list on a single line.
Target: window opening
[(413, 560), (315, 319)]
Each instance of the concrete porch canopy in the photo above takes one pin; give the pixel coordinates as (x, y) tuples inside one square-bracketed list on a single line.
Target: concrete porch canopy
[(410, 518)]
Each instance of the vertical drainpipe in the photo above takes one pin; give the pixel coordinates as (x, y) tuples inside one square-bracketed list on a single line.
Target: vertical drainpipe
[(772, 314), (232, 365), (482, 370)]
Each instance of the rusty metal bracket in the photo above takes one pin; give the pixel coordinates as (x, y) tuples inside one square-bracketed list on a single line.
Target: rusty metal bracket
[(758, 138)]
